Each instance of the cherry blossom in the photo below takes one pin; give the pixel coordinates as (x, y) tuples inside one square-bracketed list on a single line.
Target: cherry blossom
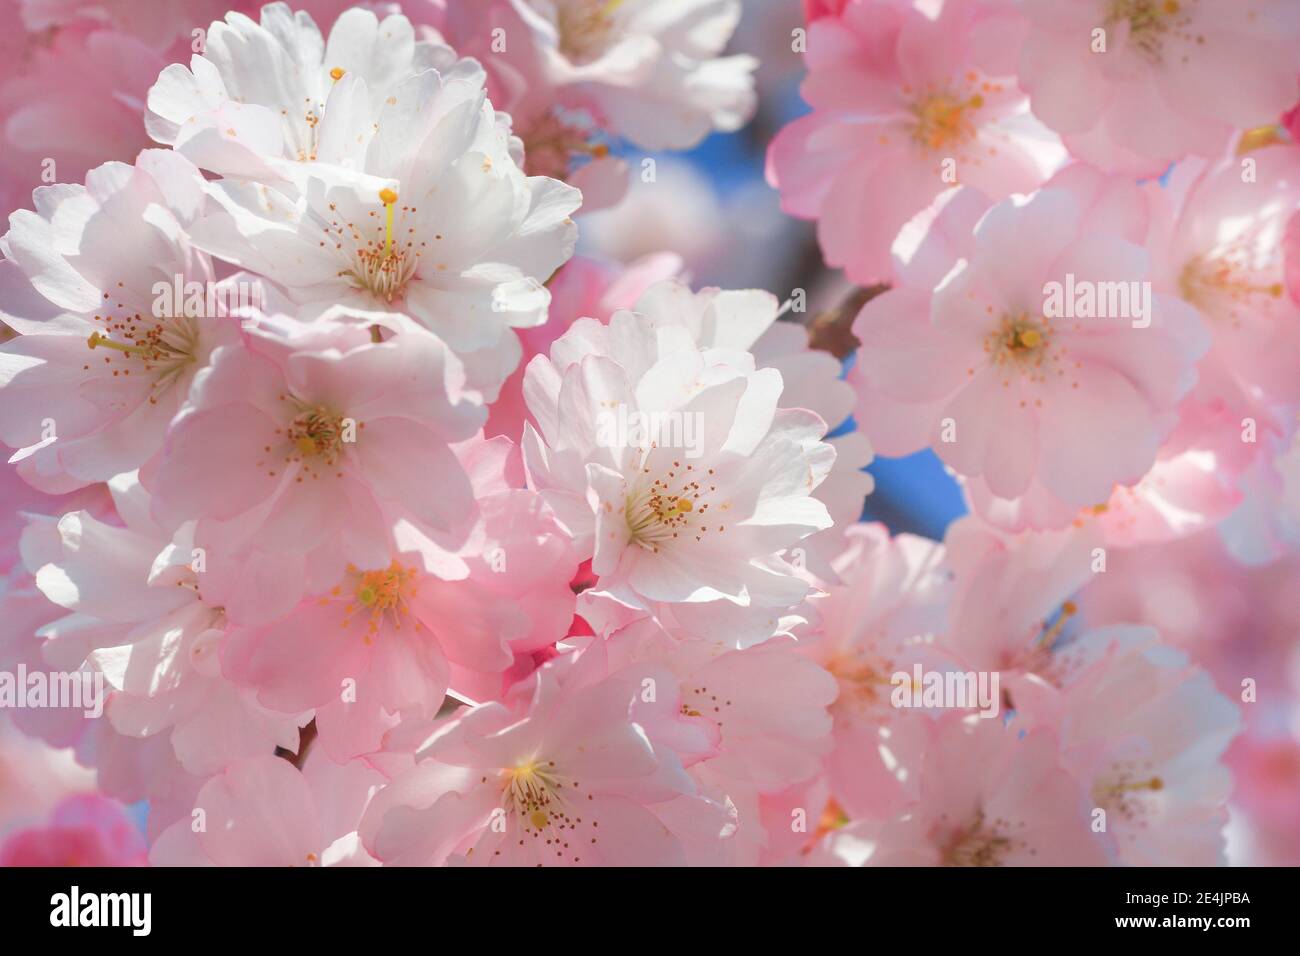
[(84, 831), (1016, 389), (351, 519), (645, 507), (515, 783), (905, 105), (106, 350), (1136, 84)]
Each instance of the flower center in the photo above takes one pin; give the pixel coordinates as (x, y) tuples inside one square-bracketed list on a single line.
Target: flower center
[(585, 27), (376, 259), (1149, 22), (162, 349), (1226, 284), (980, 844), (1023, 344), (316, 432), (670, 506), (532, 791), (381, 595), (1122, 791), (942, 120), (864, 683)]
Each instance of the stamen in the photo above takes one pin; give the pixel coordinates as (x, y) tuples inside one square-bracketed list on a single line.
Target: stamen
[(383, 593), (1259, 137), (941, 120), (1050, 634), (389, 199), (96, 340)]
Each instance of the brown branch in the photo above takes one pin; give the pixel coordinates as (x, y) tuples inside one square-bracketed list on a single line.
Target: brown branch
[(832, 330), (305, 737)]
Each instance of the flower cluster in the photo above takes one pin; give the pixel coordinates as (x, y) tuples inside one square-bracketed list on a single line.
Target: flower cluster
[(351, 518)]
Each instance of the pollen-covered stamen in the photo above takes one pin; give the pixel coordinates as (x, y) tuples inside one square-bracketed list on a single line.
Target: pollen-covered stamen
[(699, 701), (337, 73), (1150, 22), (1021, 344), (1124, 789), (546, 806), (981, 843), (1045, 654), (1259, 137), (865, 682), (1051, 632), (669, 507), (317, 432), (375, 258), (943, 120), (302, 130), (313, 440), (381, 595), (159, 349), (532, 791), (585, 27), (1229, 284)]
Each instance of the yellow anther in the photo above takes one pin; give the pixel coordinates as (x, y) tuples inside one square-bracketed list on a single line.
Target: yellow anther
[(336, 74), (1259, 137), (96, 340)]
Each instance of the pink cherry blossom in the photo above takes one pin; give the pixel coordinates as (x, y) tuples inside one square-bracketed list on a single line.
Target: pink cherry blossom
[(106, 351), (1194, 484), (1291, 249), (463, 244), (158, 22), (1153, 758), (979, 366), (645, 70), (298, 452), (410, 628), (906, 103), (137, 615), (1133, 86), (1217, 241), (351, 520), (517, 783), (263, 811), (988, 797), (84, 831), (646, 510), (73, 102), (582, 288), (893, 602), (33, 778), (222, 115)]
